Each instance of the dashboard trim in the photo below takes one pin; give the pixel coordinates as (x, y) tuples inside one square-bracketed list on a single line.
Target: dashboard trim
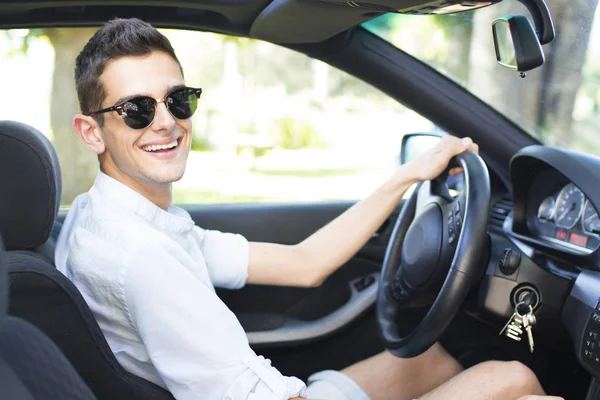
[(575, 250), (586, 288), (579, 249)]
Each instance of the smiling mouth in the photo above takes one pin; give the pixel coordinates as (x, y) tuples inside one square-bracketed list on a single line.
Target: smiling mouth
[(164, 148)]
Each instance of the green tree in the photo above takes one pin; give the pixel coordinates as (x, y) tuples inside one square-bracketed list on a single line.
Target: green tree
[(545, 99), (564, 64), (458, 35), (450, 56), (78, 164)]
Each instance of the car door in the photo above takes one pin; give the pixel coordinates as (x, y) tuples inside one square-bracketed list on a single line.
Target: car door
[(303, 329)]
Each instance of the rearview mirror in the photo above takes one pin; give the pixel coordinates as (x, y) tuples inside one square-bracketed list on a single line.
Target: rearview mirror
[(517, 45), (414, 144)]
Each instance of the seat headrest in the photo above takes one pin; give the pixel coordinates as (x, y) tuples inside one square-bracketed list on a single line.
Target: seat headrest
[(3, 281), (30, 186)]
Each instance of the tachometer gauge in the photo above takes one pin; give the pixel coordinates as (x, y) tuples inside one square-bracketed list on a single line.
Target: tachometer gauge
[(546, 210), (569, 206), (590, 220)]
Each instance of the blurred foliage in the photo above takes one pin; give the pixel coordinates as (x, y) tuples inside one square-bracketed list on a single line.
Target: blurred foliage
[(200, 143), (194, 196), (21, 39), (257, 96), (292, 134), (311, 173), (443, 41), (558, 103), (255, 90)]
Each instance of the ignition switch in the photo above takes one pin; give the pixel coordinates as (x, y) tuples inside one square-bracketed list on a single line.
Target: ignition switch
[(526, 292)]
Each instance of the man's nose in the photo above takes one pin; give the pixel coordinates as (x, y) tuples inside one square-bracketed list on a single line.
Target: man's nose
[(163, 121)]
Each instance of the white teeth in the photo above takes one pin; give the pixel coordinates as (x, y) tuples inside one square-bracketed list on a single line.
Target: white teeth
[(161, 146)]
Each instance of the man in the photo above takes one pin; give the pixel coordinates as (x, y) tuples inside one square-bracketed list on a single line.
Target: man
[(148, 273)]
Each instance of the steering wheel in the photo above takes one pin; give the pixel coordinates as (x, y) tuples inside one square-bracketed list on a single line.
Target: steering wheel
[(433, 257)]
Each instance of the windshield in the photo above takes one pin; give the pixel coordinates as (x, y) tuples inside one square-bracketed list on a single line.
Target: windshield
[(558, 103)]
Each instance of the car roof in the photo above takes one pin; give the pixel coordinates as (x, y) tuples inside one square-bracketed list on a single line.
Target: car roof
[(278, 21)]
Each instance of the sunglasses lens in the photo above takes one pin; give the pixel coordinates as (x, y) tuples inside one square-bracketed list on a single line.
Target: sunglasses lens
[(139, 112), (182, 103)]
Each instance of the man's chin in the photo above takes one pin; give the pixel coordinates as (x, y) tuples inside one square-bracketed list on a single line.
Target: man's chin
[(165, 177)]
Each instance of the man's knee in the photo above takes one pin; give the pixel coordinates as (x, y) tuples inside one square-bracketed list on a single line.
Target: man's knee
[(446, 365), (516, 375)]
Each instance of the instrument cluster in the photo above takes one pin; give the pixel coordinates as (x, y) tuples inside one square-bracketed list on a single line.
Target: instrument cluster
[(569, 219)]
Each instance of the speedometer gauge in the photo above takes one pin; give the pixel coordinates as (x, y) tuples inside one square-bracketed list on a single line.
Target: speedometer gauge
[(591, 222), (569, 206), (546, 210)]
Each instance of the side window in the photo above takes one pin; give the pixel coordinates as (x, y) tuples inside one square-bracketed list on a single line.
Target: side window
[(276, 125), (272, 124)]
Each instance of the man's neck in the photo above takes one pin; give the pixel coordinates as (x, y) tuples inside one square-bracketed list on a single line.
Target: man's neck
[(158, 193)]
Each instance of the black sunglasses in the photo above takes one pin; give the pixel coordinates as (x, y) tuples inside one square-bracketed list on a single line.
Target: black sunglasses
[(139, 111)]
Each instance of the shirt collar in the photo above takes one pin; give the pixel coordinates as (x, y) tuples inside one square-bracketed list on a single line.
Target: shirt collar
[(175, 219)]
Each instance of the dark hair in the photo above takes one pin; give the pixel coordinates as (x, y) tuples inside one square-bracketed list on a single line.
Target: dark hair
[(117, 38)]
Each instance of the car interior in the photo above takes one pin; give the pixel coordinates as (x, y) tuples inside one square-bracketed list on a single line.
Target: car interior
[(513, 241)]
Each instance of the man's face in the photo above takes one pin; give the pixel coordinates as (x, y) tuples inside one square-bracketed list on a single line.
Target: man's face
[(128, 151)]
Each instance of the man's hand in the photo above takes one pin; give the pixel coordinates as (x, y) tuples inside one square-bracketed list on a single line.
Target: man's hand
[(434, 161)]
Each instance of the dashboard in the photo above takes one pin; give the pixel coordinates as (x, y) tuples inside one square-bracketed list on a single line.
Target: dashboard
[(556, 201), (567, 218), (550, 245)]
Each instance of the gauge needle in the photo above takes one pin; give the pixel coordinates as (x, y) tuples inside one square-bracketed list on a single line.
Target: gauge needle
[(564, 214)]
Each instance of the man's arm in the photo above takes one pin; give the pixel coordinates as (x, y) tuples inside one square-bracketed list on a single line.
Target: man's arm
[(310, 262)]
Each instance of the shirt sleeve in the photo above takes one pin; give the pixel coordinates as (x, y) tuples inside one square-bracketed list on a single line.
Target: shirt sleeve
[(226, 256), (193, 340)]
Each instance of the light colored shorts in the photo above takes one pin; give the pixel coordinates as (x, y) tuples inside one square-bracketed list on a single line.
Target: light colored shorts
[(333, 385)]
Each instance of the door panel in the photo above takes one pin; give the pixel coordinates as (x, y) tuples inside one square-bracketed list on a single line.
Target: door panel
[(284, 316)]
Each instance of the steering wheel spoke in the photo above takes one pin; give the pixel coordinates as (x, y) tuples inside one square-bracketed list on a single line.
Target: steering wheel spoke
[(454, 218), (397, 293), (427, 193)]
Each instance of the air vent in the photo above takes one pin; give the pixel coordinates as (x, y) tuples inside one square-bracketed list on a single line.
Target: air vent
[(499, 212)]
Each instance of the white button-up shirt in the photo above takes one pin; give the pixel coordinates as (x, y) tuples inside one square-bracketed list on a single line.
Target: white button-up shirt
[(148, 276)]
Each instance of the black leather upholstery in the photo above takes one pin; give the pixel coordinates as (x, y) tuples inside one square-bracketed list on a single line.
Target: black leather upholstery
[(12, 387), (31, 366), (31, 186), (58, 308), (3, 282), (39, 363), (38, 292)]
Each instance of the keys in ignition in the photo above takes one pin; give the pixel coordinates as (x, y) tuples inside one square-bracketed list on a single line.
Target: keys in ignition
[(528, 321), (513, 327)]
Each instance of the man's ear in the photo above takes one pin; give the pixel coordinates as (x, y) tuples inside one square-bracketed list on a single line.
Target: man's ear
[(88, 130)]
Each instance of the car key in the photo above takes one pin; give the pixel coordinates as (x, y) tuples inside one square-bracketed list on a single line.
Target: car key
[(512, 317), (512, 329), (528, 321)]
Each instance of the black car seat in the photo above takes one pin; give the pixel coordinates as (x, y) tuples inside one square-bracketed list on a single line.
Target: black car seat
[(39, 293), (31, 365), (18, 144)]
